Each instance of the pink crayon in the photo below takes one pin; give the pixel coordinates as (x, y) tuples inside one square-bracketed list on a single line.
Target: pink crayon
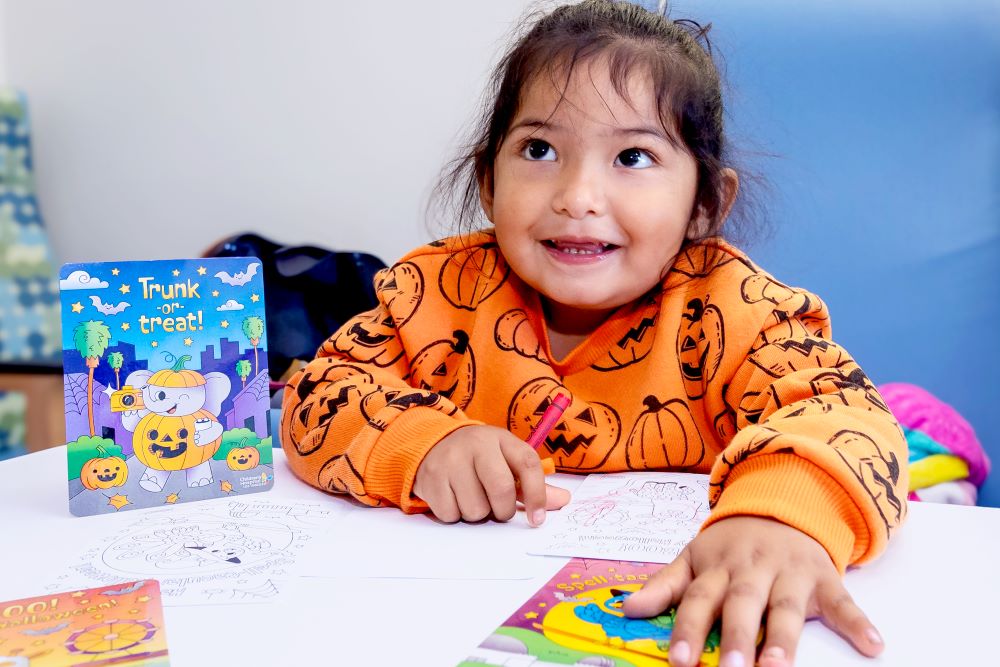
[(544, 426)]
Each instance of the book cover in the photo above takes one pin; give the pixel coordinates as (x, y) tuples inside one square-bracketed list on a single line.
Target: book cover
[(110, 625), (576, 618), (166, 383)]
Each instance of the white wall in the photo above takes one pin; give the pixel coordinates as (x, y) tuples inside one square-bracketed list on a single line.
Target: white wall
[(160, 127)]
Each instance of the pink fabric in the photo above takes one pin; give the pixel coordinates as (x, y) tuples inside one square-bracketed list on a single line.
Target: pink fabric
[(918, 409)]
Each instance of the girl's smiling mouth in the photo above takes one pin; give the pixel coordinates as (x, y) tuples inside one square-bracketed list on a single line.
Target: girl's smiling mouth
[(579, 250)]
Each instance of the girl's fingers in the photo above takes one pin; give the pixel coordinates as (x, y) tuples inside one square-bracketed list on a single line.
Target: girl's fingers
[(696, 613), (838, 611), (746, 598), (440, 498), (523, 461), (662, 590), (470, 497), (556, 497), (786, 614), (497, 481)]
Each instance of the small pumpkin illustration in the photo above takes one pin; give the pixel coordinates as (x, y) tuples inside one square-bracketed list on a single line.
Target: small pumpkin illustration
[(103, 472), (513, 332), (664, 436), (700, 344), (447, 368), (401, 289), (243, 457), (166, 442), (370, 338), (472, 275), (761, 287), (583, 439), (178, 376)]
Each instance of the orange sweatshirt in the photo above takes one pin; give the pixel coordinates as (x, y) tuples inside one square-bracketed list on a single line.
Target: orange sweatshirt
[(719, 369)]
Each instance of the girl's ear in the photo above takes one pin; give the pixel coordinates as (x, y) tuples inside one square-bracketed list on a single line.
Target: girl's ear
[(486, 196), (702, 223)]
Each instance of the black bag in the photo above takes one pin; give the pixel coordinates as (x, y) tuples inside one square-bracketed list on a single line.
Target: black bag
[(309, 292)]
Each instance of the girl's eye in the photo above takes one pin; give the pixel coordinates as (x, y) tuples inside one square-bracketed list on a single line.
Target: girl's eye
[(634, 158), (536, 149)]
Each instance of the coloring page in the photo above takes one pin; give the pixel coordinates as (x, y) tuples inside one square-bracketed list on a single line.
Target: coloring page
[(634, 516), (219, 552)]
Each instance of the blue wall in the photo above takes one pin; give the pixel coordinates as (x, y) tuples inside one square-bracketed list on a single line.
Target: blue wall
[(877, 126)]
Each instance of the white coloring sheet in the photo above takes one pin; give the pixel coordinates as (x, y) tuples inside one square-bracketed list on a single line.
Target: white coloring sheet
[(633, 516), (216, 552)]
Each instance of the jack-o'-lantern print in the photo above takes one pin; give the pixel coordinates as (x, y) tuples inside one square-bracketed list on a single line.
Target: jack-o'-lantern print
[(799, 354), (514, 332), (401, 288), (369, 338), (472, 275), (760, 440), (446, 367), (404, 400), (632, 347), (700, 345), (103, 472), (341, 475), (849, 379), (877, 470), (166, 442), (243, 458), (317, 408), (664, 436), (761, 287), (582, 439)]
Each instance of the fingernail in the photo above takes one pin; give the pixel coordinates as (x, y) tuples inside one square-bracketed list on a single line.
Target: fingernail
[(679, 652), (873, 636), (773, 655), (537, 517), (732, 659)]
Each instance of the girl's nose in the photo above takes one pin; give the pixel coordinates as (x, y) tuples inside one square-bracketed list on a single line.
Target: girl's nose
[(580, 192)]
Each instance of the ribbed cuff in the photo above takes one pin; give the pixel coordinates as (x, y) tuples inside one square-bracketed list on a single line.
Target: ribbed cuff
[(392, 465), (798, 493)]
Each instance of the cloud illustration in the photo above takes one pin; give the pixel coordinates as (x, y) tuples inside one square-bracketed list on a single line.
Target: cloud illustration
[(81, 280), (232, 304)]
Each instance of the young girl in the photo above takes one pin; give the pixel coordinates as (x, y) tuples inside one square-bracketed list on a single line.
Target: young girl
[(602, 167)]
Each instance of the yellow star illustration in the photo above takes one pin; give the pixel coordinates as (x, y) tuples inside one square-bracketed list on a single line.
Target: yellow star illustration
[(154, 344), (201, 270), (215, 292), (255, 298), (133, 611), (176, 272), (125, 326), (172, 498), (531, 614), (188, 341), (226, 486), (97, 617), (224, 324), (77, 594), (84, 602), (574, 576), (119, 501), (77, 307), (143, 598), (114, 272), (542, 604), (125, 289)]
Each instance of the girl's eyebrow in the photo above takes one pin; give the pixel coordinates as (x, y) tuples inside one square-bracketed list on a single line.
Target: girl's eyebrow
[(534, 124)]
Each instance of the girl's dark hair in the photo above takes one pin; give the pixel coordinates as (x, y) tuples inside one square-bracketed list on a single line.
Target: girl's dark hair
[(675, 53)]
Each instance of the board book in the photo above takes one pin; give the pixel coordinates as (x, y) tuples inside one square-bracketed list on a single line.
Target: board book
[(166, 382), (110, 625)]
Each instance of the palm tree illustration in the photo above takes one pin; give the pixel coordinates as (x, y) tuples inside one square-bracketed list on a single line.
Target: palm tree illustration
[(253, 328), (243, 370), (115, 360), (91, 339)]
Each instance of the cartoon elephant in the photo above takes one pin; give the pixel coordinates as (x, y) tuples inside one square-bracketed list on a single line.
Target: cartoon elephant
[(177, 426)]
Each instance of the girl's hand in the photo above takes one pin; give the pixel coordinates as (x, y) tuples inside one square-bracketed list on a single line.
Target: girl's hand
[(481, 470), (741, 568)]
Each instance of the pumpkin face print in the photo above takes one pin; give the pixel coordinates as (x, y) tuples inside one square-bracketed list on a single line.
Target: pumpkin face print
[(104, 472), (472, 275), (403, 401), (369, 338), (876, 472), (166, 442), (633, 346), (513, 332), (700, 344), (447, 368), (582, 440), (243, 458), (664, 436), (401, 288)]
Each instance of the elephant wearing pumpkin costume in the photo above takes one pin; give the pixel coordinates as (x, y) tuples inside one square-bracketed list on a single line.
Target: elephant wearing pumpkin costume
[(178, 427)]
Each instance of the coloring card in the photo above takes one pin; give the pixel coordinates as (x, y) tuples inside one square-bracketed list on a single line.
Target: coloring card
[(166, 383), (109, 625), (648, 516), (222, 552), (576, 619)]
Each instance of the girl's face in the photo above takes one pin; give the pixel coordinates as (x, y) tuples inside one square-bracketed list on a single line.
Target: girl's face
[(590, 200)]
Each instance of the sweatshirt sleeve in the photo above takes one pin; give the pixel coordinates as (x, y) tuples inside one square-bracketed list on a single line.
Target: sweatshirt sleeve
[(350, 422), (816, 447)]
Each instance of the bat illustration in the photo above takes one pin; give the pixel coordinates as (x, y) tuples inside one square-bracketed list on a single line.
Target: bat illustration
[(45, 631), (124, 591), (241, 277), (107, 308)]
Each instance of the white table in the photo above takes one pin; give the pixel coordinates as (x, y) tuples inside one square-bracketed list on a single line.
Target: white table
[(931, 594)]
